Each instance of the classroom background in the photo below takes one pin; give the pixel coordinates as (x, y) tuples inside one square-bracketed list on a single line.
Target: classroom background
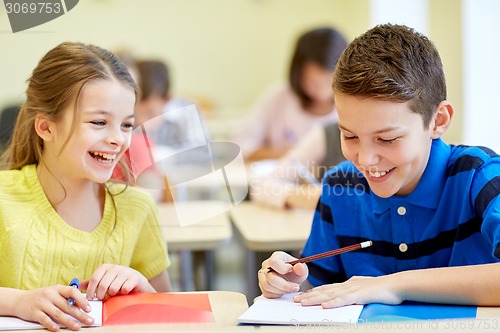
[(224, 53)]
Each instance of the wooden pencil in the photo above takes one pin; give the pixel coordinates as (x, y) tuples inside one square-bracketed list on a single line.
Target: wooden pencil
[(329, 253)]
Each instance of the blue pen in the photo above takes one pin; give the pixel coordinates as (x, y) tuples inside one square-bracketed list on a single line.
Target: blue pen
[(74, 283)]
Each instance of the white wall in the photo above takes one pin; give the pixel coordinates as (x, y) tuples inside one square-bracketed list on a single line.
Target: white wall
[(225, 50), (481, 49), (412, 13)]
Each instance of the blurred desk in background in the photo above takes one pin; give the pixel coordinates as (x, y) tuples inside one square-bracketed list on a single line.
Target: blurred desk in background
[(204, 236), (267, 229)]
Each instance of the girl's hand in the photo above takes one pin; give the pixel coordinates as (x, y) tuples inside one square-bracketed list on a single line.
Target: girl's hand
[(111, 280), (285, 278), (49, 307), (356, 290)]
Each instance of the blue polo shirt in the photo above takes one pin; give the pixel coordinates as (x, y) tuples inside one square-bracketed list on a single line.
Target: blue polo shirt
[(452, 218)]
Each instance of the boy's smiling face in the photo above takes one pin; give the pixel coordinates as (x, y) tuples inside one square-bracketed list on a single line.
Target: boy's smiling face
[(386, 141)]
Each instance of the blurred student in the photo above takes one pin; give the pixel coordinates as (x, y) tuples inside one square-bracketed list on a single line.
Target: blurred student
[(168, 119), (287, 111), (140, 171), (294, 179), (432, 210), (167, 125), (60, 217)]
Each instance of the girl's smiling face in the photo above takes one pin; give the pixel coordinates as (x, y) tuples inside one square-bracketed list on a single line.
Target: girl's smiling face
[(386, 141), (102, 132)]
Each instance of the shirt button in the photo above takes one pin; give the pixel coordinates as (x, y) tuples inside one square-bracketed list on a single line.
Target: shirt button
[(401, 210), (403, 247)]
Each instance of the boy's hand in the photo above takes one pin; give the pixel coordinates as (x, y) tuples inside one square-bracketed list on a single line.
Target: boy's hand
[(285, 278), (49, 307), (356, 290), (111, 280)]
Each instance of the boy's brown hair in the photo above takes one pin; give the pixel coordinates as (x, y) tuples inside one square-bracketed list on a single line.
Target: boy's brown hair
[(393, 63)]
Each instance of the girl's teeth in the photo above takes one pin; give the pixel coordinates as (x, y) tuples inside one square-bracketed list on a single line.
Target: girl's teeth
[(104, 157), (107, 156)]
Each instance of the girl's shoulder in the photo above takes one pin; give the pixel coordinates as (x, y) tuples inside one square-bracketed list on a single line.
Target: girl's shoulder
[(14, 179)]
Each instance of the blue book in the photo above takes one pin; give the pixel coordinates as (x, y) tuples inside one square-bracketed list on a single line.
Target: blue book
[(415, 311)]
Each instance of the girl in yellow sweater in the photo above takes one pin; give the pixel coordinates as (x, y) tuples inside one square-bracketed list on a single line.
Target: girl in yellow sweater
[(60, 218)]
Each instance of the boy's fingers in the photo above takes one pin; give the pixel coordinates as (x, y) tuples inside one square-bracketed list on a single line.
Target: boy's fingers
[(300, 269)]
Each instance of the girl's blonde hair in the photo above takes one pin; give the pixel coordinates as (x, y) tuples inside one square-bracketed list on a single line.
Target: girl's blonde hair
[(57, 81)]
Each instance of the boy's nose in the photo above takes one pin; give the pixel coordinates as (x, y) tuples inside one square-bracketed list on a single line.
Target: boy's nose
[(367, 156)]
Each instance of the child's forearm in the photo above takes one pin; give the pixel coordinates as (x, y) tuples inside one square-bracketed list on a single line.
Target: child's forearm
[(8, 300), (161, 282), (473, 285)]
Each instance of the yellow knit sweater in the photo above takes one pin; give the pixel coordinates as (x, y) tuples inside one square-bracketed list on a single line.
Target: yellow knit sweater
[(37, 248)]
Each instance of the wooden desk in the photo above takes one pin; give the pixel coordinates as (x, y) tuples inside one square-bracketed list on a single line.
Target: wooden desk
[(488, 312), (265, 229), (228, 306), (202, 236), (269, 229)]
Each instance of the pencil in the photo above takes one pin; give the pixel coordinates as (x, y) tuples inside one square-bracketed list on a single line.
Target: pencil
[(329, 253)]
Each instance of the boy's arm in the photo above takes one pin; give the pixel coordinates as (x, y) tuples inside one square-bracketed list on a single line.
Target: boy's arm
[(471, 285)]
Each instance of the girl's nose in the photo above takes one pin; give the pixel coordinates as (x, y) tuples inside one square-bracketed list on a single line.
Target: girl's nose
[(117, 137)]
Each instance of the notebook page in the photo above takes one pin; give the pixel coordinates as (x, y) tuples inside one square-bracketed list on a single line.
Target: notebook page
[(284, 311)]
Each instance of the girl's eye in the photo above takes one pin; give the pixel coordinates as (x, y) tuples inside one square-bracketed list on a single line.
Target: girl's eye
[(349, 137), (127, 126), (98, 122)]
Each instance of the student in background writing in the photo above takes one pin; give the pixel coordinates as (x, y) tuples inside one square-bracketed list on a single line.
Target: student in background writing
[(431, 209), (59, 216), (294, 182), (286, 112)]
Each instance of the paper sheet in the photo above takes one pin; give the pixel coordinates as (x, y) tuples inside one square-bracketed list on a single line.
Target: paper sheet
[(284, 311)]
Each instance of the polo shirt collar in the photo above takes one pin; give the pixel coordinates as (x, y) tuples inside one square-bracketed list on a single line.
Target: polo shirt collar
[(428, 191)]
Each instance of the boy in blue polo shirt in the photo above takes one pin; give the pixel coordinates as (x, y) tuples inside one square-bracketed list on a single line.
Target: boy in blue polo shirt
[(432, 210)]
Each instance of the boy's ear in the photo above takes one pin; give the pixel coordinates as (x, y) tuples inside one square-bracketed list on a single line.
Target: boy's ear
[(442, 119), (44, 128)]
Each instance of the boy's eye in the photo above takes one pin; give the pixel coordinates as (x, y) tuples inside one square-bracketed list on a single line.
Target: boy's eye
[(388, 140)]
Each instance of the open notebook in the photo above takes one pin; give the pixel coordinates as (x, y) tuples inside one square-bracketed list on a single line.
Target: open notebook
[(284, 311), (139, 308)]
